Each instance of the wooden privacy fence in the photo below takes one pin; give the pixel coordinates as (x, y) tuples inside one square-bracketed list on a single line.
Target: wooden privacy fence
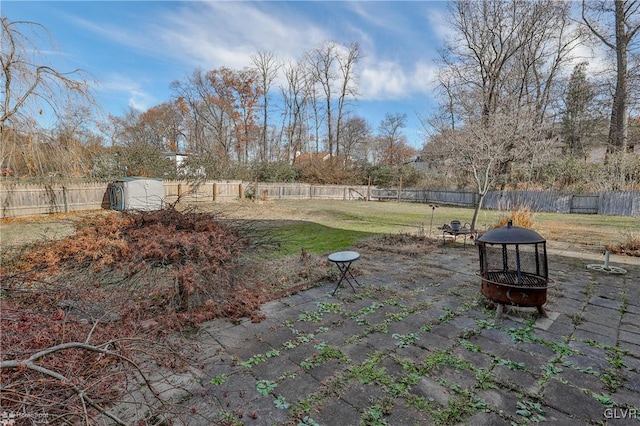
[(233, 190), (623, 203), (19, 200), (305, 191)]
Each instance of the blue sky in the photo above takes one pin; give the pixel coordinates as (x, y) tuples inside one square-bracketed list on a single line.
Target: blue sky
[(134, 50)]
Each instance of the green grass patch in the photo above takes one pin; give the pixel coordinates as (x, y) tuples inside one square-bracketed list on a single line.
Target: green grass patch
[(392, 217), (315, 238)]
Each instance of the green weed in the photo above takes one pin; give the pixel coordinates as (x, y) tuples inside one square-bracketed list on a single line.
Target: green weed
[(308, 421), (281, 403), (511, 365), (265, 387), (218, 380), (405, 340), (531, 411), (254, 360)]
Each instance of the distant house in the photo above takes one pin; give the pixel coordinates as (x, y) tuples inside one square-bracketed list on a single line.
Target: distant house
[(182, 168), (176, 158), (419, 163), (312, 157)]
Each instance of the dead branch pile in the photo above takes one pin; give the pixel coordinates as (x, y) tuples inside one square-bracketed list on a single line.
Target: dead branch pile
[(74, 312)]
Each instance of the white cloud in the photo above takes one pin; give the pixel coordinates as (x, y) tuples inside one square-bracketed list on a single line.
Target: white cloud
[(388, 80), (383, 18), (123, 86), (382, 80), (424, 76), (438, 21), (596, 57), (215, 34)]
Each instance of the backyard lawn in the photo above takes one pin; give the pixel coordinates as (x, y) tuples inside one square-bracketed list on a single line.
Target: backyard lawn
[(325, 225), (321, 226)]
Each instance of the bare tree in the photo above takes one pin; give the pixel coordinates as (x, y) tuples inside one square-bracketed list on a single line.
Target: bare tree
[(500, 82), (355, 139), (506, 51), (267, 66), (347, 60), (222, 103), (392, 142), (74, 143), (140, 149), (294, 95), (210, 136), (165, 124), (321, 66), (485, 146), (314, 110), (626, 23), (30, 87), (332, 67)]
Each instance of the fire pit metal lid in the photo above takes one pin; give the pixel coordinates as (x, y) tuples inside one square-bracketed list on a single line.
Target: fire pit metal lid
[(511, 235)]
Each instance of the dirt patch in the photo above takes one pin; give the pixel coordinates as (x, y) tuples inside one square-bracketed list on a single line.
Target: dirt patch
[(16, 232), (19, 232)]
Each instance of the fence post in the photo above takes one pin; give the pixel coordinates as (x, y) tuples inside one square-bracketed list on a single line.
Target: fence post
[(64, 199), (240, 191), (215, 190)]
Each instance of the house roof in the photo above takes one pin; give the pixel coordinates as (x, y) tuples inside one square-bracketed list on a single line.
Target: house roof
[(311, 156)]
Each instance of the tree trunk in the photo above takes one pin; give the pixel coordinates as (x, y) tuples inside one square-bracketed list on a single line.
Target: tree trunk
[(476, 212), (618, 129)]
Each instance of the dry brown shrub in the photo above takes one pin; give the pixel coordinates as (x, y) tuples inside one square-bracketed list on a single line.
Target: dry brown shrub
[(630, 246), (121, 280), (519, 216)]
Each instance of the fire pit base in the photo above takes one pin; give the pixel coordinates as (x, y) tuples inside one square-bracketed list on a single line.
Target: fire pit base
[(504, 295), (500, 308)]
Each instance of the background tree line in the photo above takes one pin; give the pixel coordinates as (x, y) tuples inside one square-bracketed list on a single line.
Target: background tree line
[(518, 107)]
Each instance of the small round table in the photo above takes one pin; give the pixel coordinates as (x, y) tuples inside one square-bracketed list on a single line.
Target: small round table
[(343, 260)]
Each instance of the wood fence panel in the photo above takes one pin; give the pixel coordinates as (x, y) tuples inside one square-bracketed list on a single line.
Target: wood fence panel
[(541, 201), (585, 204), (272, 191), (331, 192), (620, 203), (224, 191), (19, 200), (86, 196), (286, 190), (300, 192), (382, 194), (454, 198)]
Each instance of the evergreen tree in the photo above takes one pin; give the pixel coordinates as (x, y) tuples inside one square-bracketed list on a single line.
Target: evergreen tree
[(578, 119)]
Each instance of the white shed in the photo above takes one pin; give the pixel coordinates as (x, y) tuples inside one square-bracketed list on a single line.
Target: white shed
[(136, 193)]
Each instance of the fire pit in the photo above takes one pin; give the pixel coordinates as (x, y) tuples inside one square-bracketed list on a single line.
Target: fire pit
[(513, 268)]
